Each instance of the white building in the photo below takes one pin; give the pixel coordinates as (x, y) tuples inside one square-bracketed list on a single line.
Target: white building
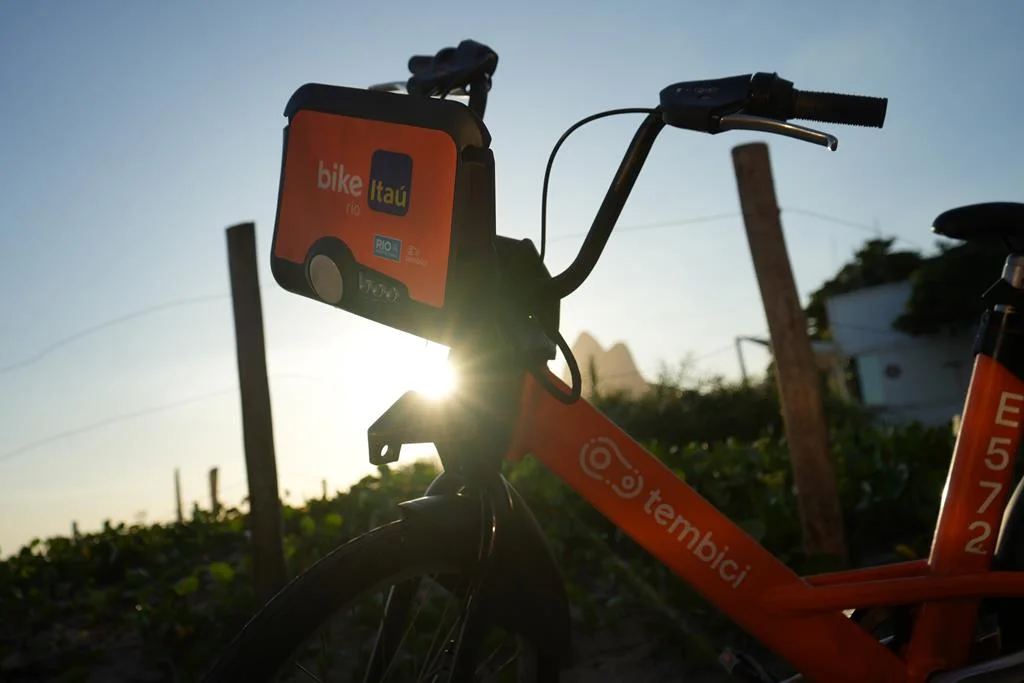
[(909, 378)]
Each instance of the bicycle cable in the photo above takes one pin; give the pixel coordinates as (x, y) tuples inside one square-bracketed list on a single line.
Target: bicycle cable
[(551, 160), (576, 378), (576, 387)]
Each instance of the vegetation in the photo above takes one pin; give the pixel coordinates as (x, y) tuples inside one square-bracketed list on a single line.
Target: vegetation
[(173, 594), (945, 289), (176, 592), (946, 294), (873, 264)]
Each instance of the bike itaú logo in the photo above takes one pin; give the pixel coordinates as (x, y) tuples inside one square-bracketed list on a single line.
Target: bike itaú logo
[(600, 454), (390, 182), (333, 177)]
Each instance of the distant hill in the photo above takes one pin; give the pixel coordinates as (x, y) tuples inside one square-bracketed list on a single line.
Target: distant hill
[(616, 371)]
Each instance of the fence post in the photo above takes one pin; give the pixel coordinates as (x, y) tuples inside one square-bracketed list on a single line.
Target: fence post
[(268, 565), (821, 514), (177, 495), (214, 498)]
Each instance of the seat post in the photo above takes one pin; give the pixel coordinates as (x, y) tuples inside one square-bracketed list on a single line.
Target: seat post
[(1013, 270), (1013, 275)]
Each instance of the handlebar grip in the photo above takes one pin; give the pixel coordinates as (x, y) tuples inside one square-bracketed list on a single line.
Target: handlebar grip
[(418, 63), (853, 110)]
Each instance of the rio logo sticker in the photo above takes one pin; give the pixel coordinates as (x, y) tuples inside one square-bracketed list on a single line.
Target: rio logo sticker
[(390, 182), (387, 247), (600, 458)]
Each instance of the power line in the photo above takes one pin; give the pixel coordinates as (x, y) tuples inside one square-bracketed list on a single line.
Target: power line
[(736, 214), (693, 359), (32, 445), (178, 303), (659, 224), (850, 224), (696, 360), (114, 419), (831, 219), (112, 322), (715, 352), (233, 485)]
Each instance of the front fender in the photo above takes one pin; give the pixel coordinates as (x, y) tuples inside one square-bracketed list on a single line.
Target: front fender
[(524, 585)]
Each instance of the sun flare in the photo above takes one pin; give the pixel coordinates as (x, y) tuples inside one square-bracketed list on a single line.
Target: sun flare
[(436, 378)]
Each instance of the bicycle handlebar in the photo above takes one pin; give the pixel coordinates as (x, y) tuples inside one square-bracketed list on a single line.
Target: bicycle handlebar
[(854, 110), (570, 279), (451, 68), (466, 69), (759, 102)]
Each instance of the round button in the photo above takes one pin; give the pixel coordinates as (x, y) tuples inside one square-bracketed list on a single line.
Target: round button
[(326, 279)]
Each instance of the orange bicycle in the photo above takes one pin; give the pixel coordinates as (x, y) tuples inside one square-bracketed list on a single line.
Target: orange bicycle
[(386, 210)]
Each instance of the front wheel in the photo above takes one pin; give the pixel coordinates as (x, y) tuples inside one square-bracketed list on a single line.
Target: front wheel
[(326, 625)]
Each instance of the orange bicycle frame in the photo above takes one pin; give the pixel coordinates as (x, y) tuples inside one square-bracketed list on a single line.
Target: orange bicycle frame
[(801, 618)]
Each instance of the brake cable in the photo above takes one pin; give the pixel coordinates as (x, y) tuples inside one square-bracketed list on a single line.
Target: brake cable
[(554, 151), (539, 372)]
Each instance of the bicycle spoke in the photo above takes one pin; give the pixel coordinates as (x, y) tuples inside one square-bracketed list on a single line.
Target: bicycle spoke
[(443, 649), (405, 635), (433, 641), (480, 669), (308, 673)]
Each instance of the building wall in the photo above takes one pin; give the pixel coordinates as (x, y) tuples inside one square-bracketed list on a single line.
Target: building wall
[(926, 383), (911, 378)]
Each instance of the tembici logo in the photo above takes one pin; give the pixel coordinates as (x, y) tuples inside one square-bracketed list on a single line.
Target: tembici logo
[(390, 182), (601, 459)]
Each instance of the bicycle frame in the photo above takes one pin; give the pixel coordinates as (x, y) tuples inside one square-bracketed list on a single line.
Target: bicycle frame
[(516, 328), (801, 618)]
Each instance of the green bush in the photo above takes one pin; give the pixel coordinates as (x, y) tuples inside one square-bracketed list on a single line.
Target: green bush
[(184, 589)]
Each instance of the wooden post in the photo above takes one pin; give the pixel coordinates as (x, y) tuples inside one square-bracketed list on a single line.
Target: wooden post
[(323, 482), (177, 495), (800, 393), (214, 499), (268, 565)]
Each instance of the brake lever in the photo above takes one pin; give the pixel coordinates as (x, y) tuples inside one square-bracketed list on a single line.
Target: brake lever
[(766, 125)]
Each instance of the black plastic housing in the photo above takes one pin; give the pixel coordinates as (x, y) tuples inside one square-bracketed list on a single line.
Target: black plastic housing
[(378, 288)]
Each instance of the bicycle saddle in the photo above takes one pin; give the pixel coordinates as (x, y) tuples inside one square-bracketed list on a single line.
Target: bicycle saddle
[(993, 220)]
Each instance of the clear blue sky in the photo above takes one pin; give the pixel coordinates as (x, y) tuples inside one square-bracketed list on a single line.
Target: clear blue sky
[(135, 132)]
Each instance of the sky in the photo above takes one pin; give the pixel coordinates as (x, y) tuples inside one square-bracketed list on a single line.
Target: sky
[(136, 132)]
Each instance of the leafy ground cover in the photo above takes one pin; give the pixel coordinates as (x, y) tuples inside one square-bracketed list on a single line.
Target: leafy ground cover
[(156, 602)]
